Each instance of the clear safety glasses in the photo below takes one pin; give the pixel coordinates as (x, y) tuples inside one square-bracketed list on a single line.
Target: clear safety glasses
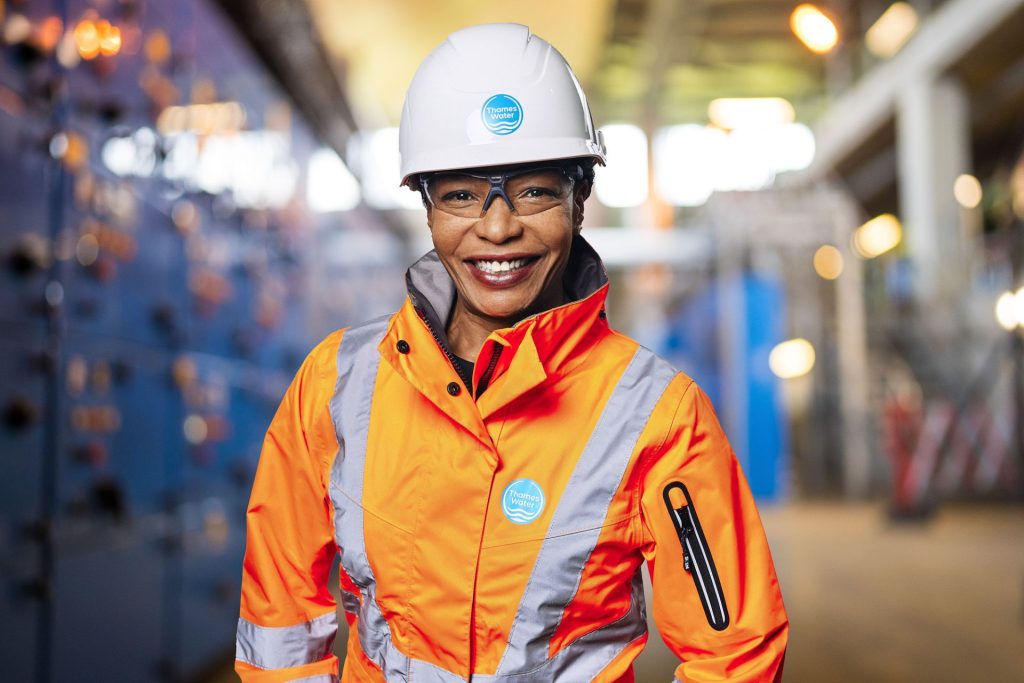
[(526, 191)]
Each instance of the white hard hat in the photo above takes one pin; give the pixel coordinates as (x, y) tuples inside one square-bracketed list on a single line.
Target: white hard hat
[(493, 95)]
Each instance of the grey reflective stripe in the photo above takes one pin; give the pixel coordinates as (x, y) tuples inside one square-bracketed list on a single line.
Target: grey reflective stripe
[(320, 678), (586, 657), (281, 647), (358, 361), (558, 569), (598, 473), (350, 602)]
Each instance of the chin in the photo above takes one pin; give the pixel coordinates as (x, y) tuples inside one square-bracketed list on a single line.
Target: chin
[(511, 315), (502, 310)]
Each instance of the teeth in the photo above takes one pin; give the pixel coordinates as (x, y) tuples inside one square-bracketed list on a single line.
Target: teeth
[(500, 266)]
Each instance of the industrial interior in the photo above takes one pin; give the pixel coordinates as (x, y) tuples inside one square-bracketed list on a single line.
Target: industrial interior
[(816, 210)]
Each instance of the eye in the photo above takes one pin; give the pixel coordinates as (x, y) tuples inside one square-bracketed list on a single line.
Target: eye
[(537, 193), (458, 197)]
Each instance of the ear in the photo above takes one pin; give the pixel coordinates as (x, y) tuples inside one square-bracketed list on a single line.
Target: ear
[(579, 198)]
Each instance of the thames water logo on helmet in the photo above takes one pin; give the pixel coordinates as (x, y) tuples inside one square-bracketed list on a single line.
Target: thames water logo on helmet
[(502, 114), (523, 501)]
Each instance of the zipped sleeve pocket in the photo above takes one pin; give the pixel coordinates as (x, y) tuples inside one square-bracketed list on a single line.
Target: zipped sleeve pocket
[(696, 554)]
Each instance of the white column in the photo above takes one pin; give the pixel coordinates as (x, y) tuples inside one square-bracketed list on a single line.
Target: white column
[(854, 369), (933, 147)]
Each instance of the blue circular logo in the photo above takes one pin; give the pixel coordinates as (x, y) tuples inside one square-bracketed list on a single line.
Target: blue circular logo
[(502, 114), (523, 501)]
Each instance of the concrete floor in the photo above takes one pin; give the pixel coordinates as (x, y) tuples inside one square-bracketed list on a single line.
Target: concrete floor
[(870, 601)]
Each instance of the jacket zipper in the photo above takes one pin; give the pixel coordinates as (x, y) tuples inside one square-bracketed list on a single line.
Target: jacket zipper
[(440, 344), (485, 378), (697, 558)]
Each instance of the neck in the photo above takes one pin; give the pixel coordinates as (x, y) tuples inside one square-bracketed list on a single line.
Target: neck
[(468, 330)]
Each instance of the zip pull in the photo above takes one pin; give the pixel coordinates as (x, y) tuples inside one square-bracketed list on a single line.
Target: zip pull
[(679, 511), (687, 565)]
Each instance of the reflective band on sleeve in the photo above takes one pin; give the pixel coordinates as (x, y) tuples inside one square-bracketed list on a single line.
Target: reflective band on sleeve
[(281, 647), (598, 473), (321, 678)]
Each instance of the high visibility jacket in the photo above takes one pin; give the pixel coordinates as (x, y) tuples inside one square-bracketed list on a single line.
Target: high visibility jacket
[(499, 535)]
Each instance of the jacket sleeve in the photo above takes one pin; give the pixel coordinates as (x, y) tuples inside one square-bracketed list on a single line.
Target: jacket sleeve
[(722, 615), (288, 621)]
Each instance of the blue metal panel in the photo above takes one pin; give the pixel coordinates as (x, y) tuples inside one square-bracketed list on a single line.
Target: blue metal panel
[(147, 504), (108, 608), (21, 447), (24, 216), (760, 437), (111, 529), (766, 421)]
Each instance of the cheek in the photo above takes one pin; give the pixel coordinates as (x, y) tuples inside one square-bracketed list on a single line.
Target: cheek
[(557, 234), (445, 239)]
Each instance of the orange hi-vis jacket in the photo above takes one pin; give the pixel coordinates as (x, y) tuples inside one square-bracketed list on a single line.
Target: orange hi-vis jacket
[(498, 536)]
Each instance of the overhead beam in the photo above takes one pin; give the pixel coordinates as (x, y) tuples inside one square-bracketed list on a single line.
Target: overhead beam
[(952, 31), (282, 34), (631, 247)]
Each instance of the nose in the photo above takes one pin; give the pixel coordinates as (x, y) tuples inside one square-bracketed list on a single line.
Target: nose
[(498, 224)]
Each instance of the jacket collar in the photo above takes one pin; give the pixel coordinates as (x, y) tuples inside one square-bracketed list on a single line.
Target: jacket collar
[(533, 349), (432, 292)]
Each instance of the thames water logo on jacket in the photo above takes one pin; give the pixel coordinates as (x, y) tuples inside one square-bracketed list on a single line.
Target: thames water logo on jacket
[(502, 114), (523, 501)]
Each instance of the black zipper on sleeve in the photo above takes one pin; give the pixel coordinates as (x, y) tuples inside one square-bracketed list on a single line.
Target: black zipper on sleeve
[(697, 558)]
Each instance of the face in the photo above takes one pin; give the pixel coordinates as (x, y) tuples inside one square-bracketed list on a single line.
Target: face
[(506, 264)]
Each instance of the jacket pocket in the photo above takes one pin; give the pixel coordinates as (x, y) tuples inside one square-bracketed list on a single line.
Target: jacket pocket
[(697, 560)]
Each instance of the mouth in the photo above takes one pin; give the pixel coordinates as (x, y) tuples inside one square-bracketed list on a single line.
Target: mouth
[(502, 271)]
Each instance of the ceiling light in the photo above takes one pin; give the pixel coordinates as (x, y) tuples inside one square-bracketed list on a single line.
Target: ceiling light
[(888, 34), (731, 113), (623, 182), (791, 359), (877, 236), (967, 190), (1007, 314), (814, 29)]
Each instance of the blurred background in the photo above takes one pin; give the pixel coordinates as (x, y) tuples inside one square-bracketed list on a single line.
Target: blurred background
[(816, 210)]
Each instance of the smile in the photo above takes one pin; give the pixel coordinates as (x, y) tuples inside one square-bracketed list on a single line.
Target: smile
[(502, 272), (500, 266)]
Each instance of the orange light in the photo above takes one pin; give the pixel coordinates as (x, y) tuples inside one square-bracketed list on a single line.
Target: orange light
[(157, 47), (828, 262), (48, 33), (87, 38), (877, 236), (110, 38), (814, 28)]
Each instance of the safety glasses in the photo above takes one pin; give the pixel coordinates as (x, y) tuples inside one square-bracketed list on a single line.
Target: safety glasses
[(526, 191)]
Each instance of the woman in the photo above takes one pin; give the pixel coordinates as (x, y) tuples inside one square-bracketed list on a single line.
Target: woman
[(493, 463)]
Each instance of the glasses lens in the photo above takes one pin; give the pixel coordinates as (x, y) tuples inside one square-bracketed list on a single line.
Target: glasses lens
[(537, 190), (529, 192), (457, 194)]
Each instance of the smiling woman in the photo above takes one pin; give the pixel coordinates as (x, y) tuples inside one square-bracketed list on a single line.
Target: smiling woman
[(507, 258), (498, 532)]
